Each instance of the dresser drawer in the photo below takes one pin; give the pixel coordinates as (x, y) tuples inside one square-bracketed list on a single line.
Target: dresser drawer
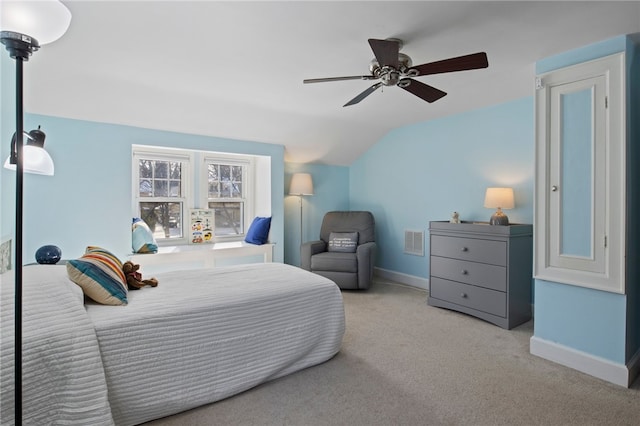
[(478, 298), (480, 274), (475, 250)]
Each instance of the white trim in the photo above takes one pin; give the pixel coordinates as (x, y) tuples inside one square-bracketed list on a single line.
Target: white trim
[(399, 277), (612, 206), (601, 368)]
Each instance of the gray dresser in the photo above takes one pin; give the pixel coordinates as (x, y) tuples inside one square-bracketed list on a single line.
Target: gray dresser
[(482, 270)]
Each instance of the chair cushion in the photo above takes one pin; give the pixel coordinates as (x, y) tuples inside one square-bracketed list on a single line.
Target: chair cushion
[(343, 242), (334, 261)]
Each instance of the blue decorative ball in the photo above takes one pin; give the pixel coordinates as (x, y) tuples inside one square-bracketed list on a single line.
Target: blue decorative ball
[(48, 255)]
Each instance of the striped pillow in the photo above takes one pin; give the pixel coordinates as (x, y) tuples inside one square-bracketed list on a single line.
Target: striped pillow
[(99, 273)]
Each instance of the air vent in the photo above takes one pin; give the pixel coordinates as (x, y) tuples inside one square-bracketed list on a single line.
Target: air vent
[(414, 242)]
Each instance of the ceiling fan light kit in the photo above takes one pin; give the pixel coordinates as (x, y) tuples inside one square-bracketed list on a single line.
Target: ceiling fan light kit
[(393, 68)]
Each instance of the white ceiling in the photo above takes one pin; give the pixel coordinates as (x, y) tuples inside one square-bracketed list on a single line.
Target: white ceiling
[(235, 69)]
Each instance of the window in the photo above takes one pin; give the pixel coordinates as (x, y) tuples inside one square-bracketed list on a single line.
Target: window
[(227, 187), (168, 182), (160, 192)]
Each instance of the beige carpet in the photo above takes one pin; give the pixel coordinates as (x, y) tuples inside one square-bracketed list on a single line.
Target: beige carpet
[(405, 363)]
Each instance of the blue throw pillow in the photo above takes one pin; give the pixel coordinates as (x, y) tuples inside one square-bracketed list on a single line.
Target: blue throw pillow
[(258, 232)]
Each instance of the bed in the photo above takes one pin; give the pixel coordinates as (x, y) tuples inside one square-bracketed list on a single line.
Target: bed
[(200, 336)]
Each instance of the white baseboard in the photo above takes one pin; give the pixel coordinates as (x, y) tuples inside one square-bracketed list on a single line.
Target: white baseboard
[(601, 368), (399, 277)]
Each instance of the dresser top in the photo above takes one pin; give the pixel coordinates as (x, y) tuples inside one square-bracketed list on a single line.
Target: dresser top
[(484, 228)]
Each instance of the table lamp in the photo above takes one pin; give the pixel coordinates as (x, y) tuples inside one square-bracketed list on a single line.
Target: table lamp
[(499, 198)]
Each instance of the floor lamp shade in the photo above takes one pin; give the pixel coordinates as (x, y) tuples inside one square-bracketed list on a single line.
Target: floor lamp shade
[(44, 20), (301, 184)]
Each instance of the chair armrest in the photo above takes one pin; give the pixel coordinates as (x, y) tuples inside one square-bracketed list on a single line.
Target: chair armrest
[(308, 249), (366, 256)]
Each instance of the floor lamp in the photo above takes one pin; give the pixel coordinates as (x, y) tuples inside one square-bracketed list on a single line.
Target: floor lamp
[(24, 26), (301, 184)]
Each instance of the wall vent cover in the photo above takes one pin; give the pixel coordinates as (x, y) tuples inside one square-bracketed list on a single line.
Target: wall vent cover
[(414, 242)]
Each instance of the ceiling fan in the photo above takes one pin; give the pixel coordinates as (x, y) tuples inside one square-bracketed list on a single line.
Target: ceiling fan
[(393, 68)]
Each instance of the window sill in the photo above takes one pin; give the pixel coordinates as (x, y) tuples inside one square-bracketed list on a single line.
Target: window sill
[(195, 256)]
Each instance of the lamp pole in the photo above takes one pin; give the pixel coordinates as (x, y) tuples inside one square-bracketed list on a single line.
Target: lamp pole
[(18, 254), (301, 237), (20, 48)]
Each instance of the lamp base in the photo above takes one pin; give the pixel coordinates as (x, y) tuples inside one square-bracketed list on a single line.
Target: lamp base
[(499, 218)]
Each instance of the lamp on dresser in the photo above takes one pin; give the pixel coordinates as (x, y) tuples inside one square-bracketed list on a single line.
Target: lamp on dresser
[(24, 26), (499, 198)]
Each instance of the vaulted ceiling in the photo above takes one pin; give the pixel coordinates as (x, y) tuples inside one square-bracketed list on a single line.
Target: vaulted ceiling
[(235, 69)]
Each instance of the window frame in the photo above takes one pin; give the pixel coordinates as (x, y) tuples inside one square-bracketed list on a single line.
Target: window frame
[(186, 159), (248, 166)]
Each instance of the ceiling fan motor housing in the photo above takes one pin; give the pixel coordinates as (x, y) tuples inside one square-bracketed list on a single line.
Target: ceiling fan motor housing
[(390, 75)]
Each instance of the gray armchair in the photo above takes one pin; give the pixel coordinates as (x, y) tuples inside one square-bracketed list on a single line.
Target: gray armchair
[(345, 252)]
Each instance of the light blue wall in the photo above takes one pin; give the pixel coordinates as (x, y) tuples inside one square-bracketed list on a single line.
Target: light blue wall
[(331, 192), (595, 322), (88, 201), (424, 172)]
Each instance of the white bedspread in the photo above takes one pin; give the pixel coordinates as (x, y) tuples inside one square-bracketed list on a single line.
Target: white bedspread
[(63, 379), (204, 335)]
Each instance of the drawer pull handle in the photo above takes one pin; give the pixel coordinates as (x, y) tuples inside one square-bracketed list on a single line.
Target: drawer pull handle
[(463, 295), (465, 249), (465, 272)]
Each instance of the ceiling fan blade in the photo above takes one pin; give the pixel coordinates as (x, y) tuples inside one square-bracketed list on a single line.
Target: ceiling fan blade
[(461, 63), (421, 90), (353, 77), (363, 95), (385, 51)]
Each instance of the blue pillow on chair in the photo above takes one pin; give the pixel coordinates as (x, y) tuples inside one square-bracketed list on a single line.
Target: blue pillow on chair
[(258, 232)]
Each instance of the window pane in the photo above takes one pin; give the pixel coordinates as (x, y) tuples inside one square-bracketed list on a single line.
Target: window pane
[(174, 188), (160, 188), (228, 218), (176, 170), (145, 168), (213, 172), (213, 189), (145, 188), (161, 169), (236, 172), (226, 190), (225, 173), (164, 219), (236, 190)]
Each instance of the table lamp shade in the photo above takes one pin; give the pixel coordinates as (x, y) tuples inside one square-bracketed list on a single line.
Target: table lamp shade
[(499, 198)]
